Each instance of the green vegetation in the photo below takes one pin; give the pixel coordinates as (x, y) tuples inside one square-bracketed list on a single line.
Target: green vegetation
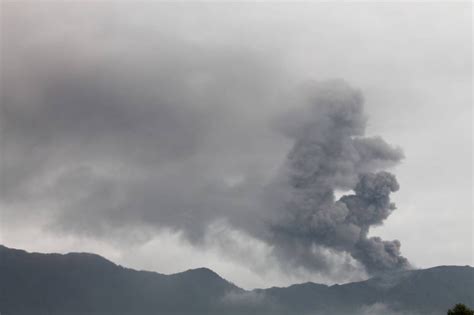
[(460, 309)]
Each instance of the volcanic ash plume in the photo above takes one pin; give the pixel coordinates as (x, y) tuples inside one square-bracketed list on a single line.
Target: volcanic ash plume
[(330, 153)]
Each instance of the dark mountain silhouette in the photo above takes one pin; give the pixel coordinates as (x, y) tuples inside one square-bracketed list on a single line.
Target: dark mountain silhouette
[(81, 283)]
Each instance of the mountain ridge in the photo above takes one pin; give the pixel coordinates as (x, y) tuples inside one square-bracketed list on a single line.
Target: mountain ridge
[(84, 283), (206, 269)]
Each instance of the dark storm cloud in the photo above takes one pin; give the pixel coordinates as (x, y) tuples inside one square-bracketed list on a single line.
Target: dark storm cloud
[(126, 126)]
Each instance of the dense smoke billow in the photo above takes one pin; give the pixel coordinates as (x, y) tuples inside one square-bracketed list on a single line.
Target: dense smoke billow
[(331, 153), (118, 129)]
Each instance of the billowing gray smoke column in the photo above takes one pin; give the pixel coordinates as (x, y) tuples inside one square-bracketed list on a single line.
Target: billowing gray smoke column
[(330, 152)]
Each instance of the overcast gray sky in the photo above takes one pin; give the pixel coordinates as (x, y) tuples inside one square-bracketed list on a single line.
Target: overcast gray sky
[(154, 133)]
